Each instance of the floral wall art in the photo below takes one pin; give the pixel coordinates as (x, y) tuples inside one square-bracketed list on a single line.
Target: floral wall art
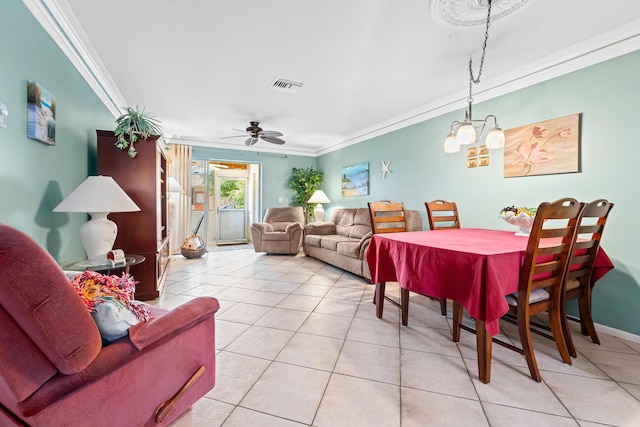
[(543, 148)]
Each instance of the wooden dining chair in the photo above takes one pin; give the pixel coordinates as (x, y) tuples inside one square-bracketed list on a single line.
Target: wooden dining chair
[(442, 215), (540, 286), (389, 217), (578, 283)]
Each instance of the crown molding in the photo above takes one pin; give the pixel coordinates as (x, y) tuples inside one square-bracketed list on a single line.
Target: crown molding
[(610, 45), (58, 20)]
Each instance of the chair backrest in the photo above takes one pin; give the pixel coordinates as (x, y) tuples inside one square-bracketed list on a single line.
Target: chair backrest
[(586, 247), (442, 214), (549, 248), (281, 217), (45, 326), (387, 217)]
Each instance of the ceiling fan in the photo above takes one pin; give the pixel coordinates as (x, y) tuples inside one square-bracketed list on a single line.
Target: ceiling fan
[(255, 132)]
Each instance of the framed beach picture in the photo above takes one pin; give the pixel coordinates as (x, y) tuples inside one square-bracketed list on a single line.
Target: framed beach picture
[(41, 114), (355, 180), (543, 148)]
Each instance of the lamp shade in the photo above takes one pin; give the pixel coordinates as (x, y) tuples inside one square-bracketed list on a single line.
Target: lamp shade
[(319, 197), (173, 186), (97, 194)]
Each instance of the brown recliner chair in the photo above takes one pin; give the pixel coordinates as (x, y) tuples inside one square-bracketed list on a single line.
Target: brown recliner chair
[(54, 370), (280, 232)]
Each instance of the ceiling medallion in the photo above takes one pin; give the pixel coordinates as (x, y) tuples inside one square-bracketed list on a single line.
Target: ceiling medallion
[(471, 13)]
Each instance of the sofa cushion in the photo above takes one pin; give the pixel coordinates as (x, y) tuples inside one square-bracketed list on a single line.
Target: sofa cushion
[(313, 239), (349, 248), (343, 219), (331, 242), (276, 235)]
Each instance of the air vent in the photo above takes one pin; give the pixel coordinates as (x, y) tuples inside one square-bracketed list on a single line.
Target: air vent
[(284, 85)]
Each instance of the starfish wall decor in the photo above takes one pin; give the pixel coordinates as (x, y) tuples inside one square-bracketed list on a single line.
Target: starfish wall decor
[(385, 169)]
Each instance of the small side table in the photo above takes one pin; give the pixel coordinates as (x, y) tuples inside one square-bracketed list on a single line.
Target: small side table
[(107, 268)]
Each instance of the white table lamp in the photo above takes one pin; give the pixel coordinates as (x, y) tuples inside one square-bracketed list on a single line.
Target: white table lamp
[(98, 196), (319, 197)]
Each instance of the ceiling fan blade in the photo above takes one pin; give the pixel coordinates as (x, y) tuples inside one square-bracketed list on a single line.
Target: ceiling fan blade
[(233, 136), (272, 139), (271, 133), (251, 140)]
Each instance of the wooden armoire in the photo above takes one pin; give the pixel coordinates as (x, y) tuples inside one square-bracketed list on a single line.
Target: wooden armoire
[(144, 179)]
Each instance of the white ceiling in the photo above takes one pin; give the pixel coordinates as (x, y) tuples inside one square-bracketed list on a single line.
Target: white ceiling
[(205, 67)]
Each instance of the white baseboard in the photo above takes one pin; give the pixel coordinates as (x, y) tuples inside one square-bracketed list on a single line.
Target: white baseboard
[(618, 333)]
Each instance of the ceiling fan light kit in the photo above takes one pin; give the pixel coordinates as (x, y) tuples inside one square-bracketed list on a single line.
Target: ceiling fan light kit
[(467, 131), (254, 133)]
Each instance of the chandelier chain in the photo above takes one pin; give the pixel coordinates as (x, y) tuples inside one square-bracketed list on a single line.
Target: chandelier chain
[(475, 80)]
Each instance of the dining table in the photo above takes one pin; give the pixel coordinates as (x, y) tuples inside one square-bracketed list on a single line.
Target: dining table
[(472, 266)]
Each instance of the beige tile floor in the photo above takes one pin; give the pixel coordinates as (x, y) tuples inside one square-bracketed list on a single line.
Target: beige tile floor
[(298, 344)]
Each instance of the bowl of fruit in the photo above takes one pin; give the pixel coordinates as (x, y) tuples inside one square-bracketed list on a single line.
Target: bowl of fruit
[(520, 216)]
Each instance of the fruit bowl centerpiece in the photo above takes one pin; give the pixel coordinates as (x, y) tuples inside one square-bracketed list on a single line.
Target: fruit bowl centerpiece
[(520, 216)]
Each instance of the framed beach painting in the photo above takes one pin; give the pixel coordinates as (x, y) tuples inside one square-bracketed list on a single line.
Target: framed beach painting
[(41, 114), (543, 148), (355, 180)]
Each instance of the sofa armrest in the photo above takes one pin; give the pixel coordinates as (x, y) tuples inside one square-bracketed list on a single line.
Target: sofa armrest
[(292, 228), (180, 318), (364, 244), (262, 227), (322, 228)]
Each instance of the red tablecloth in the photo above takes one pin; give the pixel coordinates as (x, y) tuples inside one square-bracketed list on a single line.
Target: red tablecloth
[(475, 267)]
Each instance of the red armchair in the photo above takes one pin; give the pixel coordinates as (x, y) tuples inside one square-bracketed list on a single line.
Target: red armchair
[(54, 370)]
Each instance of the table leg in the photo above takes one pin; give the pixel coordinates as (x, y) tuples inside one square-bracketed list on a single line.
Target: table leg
[(457, 320), (404, 305), (483, 343), (380, 288)]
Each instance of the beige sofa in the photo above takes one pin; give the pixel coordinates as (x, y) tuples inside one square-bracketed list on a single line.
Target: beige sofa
[(343, 241)]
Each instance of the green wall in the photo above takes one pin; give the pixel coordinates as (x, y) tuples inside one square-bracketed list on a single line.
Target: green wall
[(606, 96), (34, 177), (275, 170)]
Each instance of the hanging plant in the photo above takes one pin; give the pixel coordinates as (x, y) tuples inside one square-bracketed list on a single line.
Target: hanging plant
[(304, 182), (133, 125)]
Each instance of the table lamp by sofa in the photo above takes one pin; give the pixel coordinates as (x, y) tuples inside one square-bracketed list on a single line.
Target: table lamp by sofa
[(319, 197), (98, 196)]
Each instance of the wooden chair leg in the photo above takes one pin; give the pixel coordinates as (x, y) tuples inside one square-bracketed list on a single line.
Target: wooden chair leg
[(527, 344), (566, 331), (404, 305), (379, 298), (586, 321), (457, 320), (557, 329)]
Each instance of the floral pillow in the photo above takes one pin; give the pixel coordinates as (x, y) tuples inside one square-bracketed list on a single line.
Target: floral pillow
[(110, 301)]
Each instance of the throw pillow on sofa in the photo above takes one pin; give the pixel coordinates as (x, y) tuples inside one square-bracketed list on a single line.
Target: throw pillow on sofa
[(110, 301)]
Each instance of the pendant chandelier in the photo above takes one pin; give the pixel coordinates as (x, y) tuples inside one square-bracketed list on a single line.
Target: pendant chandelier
[(466, 131)]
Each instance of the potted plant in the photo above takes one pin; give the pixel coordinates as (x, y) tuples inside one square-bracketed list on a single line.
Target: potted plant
[(133, 125), (304, 182)]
